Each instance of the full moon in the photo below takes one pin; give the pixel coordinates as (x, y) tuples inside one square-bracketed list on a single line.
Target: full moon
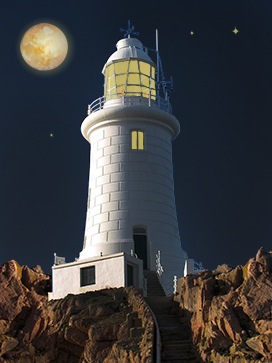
[(44, 47)]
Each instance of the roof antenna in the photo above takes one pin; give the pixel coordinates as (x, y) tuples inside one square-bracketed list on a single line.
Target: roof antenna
[(129, 31)]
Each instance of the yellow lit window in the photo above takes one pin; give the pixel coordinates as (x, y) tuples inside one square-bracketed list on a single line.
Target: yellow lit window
[(137, 140), (140, 140)]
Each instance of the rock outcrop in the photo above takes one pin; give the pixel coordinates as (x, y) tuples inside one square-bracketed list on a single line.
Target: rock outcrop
[(111, 325), (230, 311)]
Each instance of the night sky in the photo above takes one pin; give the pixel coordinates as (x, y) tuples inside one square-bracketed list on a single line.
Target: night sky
[(222, 97)]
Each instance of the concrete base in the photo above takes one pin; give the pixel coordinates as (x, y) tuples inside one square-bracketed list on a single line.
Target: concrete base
[(108, 271)]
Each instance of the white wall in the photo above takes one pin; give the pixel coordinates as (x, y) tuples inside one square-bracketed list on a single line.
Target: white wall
[(132, 187), (189, 267), (110, 271)]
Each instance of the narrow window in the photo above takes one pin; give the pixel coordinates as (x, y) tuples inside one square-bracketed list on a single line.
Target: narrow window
[(87, 276), (137, 140), (134, 140), (140, 140)]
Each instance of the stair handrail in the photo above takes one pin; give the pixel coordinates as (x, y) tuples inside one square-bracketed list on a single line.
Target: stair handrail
[(167, 284), (157, 336), (175, 280), (159, 267)]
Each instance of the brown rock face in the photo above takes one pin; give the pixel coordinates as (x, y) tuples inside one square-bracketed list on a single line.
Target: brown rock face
[(230, 311), (90, 327)]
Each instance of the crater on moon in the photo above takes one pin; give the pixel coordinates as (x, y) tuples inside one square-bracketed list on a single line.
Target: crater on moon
[(44, 47)]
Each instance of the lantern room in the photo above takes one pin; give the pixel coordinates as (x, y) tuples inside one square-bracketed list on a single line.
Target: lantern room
[(129, 72)]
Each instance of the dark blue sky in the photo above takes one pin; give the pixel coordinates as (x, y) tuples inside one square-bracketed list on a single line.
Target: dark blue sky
[(223, 100)]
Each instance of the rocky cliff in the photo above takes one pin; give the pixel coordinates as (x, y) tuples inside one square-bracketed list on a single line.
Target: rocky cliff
[(230, 311), (111, 325)]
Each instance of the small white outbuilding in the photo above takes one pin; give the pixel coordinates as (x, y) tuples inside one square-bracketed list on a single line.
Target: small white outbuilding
[(131, 222)]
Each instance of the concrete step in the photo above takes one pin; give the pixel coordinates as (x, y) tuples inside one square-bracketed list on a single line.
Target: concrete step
[(181, 357), (175, 332), (154, 287), (180, 343), (178, 352), (178, 360)]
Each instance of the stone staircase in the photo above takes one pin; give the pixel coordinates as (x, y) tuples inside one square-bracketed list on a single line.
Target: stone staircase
[(175, 333)]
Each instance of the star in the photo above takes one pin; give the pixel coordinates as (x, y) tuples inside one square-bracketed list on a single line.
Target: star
[(51, 135), (192, 33), (235, 31)]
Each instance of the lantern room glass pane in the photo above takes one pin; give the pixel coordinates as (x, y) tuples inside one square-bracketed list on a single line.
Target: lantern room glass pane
[(106, 73), (121, 67), (153, 72), (111, 93), (145, 68), (133, 78), (133, 66), (145, 91), (122, 79), (134, 90), (120, 90), (110, 70), (111, 83), (145, 80), (134, 140)]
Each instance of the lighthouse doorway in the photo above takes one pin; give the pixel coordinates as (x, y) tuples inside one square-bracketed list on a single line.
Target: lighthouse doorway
[(140, 245)]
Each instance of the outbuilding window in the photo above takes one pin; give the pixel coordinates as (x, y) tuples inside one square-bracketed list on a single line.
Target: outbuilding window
[(87, 276), (137, 140)]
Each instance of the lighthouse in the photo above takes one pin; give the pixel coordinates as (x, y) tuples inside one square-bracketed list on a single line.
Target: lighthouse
[(131, 220)]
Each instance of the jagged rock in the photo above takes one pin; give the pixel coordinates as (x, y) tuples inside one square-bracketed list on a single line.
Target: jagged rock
[(7, 343), (34, 278), (90, 327), (262, 344), (227, 308)]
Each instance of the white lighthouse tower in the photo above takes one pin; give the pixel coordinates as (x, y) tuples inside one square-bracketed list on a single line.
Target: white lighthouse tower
[(131, 221)]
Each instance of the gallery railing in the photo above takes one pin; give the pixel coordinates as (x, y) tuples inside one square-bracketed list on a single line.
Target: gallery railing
[(129, 99)]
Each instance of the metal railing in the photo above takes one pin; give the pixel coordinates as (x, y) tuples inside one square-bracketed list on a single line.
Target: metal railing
[(198, 267), (129, 99), (169, 286)]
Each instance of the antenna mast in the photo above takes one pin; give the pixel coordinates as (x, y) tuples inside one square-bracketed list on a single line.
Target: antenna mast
[(161, 83)]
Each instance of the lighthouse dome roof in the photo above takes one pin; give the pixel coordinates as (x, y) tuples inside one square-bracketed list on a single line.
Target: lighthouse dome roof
[(128, 48)]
